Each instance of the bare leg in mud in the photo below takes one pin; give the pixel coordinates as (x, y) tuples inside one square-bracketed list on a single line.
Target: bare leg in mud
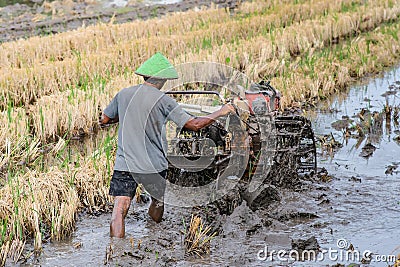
[(121, 207), (156, 210)]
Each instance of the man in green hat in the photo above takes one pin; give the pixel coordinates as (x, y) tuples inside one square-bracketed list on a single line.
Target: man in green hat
[(142, 112)]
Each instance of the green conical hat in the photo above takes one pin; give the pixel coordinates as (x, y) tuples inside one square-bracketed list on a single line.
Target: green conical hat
[(157, 66)]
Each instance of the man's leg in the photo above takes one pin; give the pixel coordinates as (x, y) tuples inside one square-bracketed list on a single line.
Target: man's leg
[(122, 187), (155, 185), (121, 207)]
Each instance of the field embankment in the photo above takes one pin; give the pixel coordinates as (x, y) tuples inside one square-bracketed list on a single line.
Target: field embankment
[(51, 88), (30, 18)]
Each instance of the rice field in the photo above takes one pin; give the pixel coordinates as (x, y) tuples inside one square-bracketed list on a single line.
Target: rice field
[(52, 88)]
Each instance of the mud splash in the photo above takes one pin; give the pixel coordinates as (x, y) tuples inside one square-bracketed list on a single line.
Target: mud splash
[(356, 204)]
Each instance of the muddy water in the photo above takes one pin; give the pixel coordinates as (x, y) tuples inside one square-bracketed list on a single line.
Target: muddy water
[(359, 206), (365, 203)]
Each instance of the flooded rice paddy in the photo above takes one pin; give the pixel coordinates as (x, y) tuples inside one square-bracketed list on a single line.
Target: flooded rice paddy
[(357, 207)]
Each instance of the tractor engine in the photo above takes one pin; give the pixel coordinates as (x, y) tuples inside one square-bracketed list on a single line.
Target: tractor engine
[(251, 142)]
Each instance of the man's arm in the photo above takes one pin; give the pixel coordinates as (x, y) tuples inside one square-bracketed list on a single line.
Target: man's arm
[(198, 123), (112, 113)]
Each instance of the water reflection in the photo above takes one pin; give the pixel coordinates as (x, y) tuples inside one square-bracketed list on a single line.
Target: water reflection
[(362, 129)]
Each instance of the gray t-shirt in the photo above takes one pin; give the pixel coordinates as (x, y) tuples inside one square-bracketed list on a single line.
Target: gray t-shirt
[(143, 111)]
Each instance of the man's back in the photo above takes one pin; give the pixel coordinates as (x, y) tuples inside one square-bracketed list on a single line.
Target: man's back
[(143, 111)]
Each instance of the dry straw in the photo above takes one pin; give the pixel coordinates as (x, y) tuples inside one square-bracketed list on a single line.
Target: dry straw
[(22, 86), (258, 56), (309, 49), (75, 112), (15, 142), (93, 39), (36, 203), (198, 237)]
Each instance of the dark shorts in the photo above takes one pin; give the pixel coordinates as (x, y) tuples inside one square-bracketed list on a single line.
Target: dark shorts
[(124, 183)]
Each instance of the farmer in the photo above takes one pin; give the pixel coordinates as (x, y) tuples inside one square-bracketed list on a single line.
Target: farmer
[(142, 112)]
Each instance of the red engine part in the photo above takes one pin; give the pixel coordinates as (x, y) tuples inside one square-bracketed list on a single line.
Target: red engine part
[(272, 102), (277, 100)]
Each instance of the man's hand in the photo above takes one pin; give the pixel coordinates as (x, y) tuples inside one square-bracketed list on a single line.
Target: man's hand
[(227, 109), (105, 121)]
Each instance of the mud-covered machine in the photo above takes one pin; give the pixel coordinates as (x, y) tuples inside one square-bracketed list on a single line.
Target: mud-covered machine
[(258, 140)]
